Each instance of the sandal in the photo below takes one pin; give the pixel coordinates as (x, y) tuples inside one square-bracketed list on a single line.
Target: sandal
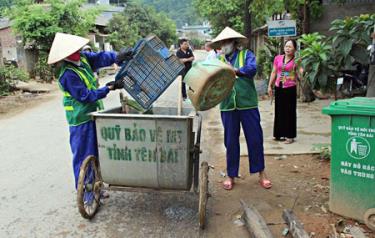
[(265, 183), (104, 195), (289, 141), (279, 139), (228, 184)]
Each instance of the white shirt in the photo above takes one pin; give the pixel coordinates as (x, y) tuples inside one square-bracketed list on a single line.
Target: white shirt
[(211, 55)]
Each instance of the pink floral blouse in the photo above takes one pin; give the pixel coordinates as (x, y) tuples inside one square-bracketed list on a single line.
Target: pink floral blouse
[(289, 76)]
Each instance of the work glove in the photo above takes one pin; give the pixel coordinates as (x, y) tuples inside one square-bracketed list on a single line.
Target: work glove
[(125, 54), (118, 84), (238, 73)]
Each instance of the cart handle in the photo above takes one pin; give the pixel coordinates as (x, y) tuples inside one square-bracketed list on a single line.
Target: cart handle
[(199, 130)]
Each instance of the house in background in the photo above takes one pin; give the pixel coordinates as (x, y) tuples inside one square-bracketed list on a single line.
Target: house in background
[(12, 50), (8, 40), (200, 32), (99, 36)]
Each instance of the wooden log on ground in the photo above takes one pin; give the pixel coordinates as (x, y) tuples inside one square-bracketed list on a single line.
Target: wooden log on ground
[(255, 223), (295, 226)]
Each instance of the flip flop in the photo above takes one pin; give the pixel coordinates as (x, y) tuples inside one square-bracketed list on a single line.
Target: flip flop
[(265, 183), (289, 141), (228, 184), (104, 194)]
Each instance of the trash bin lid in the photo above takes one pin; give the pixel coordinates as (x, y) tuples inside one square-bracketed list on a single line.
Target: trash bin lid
[(210, 82), (354, 106)]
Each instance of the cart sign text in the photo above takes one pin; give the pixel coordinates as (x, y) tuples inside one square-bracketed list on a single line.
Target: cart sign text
[(131, 143)]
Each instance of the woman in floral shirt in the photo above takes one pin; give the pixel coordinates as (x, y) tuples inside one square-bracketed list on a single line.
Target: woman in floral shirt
[(284, 76)]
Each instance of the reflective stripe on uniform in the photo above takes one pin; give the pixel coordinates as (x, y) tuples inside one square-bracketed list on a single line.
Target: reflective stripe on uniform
[(242, 58), (82, 76)]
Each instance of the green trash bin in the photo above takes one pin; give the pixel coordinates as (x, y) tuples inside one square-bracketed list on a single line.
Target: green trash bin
[(352, 184)]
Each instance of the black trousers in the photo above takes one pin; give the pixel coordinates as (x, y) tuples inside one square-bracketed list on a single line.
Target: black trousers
[(184, 90), (285, 123)]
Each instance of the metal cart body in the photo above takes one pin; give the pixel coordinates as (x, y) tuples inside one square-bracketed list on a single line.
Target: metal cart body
[(137, 151), (152, 151)]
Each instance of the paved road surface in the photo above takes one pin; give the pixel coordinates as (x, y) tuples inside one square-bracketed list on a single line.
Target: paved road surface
[(38, 195)]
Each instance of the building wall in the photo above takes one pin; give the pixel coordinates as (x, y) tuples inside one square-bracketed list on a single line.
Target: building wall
[(11, 50), (334, 11), (8, 44)]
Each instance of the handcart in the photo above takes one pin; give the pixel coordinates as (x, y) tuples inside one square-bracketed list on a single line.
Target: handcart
[(157, 151)]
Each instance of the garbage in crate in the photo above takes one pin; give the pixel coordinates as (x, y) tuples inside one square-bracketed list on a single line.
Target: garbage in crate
[(130, 106), (209, 82), (150, 72)]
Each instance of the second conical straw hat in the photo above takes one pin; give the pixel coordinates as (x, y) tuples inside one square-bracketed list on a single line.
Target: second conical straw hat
[(227, 33)]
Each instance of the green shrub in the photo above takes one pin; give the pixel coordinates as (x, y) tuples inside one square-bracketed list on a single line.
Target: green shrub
[(350, 40), (265, 56), (316, 60), (44, 70), (323, 149), (198, 44), (8, 77), (323, 58)]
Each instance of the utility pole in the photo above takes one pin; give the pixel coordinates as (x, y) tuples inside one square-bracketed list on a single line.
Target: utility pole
[(247, 21), (306, 18)]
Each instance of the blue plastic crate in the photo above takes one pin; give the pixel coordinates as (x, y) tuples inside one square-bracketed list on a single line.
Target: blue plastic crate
[(150, 72)]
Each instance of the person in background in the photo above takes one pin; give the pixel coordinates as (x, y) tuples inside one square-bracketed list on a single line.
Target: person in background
[(241, 108), (212, 53), (87, 48), (284, 76), (186, 56), (81, 95)]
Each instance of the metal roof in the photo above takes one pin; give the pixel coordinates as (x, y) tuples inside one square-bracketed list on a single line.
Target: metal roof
[(106, 14)]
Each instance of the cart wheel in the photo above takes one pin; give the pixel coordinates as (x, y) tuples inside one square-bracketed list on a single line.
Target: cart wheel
[(369, 218), (88, 188), (203, 194)]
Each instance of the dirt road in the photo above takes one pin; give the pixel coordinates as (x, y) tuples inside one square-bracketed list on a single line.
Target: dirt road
[(38, 195)]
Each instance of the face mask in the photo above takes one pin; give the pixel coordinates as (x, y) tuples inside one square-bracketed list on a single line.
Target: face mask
[(74, 57), (227, 48)]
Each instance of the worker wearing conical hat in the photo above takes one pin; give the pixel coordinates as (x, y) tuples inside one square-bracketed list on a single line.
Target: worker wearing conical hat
[(241, 108), (81, 95)]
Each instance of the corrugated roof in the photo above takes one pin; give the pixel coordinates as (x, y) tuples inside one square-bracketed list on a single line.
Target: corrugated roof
[(104, 18), (107, 13)]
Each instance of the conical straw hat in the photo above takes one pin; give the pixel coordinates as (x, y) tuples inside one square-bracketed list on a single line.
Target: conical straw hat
[(64, 45), (227, 33)]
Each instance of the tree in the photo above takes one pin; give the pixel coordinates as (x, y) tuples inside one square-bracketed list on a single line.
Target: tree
[(253, 13), (324, 58), (222, 13), (38, 23), (136, 22), (180, 11), (4, 4)]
